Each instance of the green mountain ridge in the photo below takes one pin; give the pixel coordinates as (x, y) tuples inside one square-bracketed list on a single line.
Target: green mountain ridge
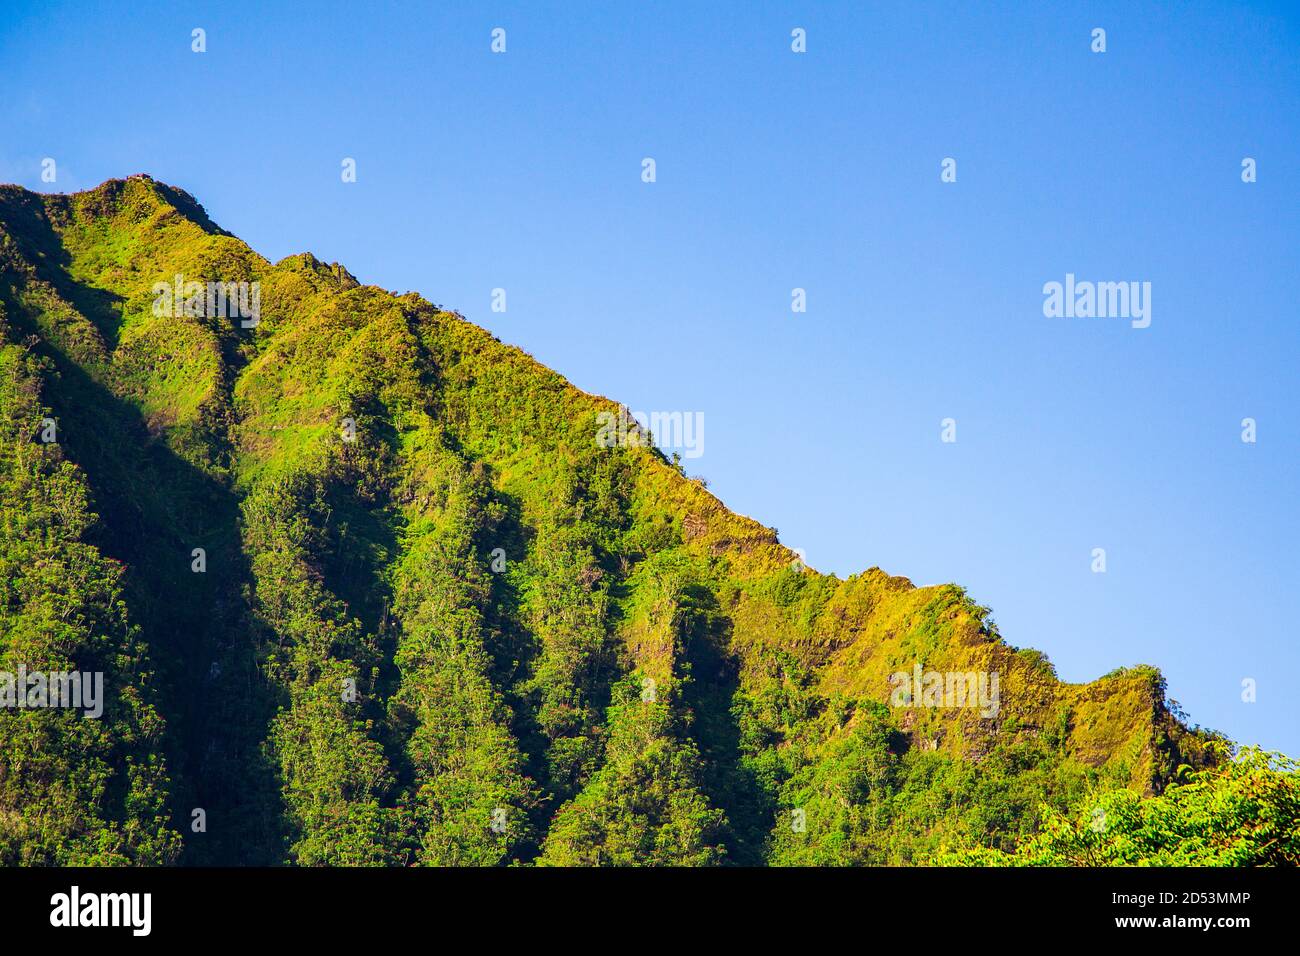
[(437, 622)]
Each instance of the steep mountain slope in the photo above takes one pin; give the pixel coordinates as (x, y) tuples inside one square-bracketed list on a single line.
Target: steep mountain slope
[(437, 622)]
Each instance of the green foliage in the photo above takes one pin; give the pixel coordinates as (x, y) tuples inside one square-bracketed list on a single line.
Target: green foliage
[(643, 807), (1038, 660), (74, 790), (1243, 812), (468, 792), (336, 778), (458, 631)]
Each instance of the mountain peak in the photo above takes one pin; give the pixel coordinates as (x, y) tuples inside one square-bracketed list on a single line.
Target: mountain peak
[(419, 559)]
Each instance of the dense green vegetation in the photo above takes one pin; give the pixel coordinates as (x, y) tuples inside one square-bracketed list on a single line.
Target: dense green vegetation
[(73, 791), (433, 622), (1241, 812)]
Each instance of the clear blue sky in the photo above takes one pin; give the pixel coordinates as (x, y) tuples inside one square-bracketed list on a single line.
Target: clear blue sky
[(820, 170)]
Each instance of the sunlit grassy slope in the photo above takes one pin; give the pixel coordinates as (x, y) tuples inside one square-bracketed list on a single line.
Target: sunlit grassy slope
[(643, 677)]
